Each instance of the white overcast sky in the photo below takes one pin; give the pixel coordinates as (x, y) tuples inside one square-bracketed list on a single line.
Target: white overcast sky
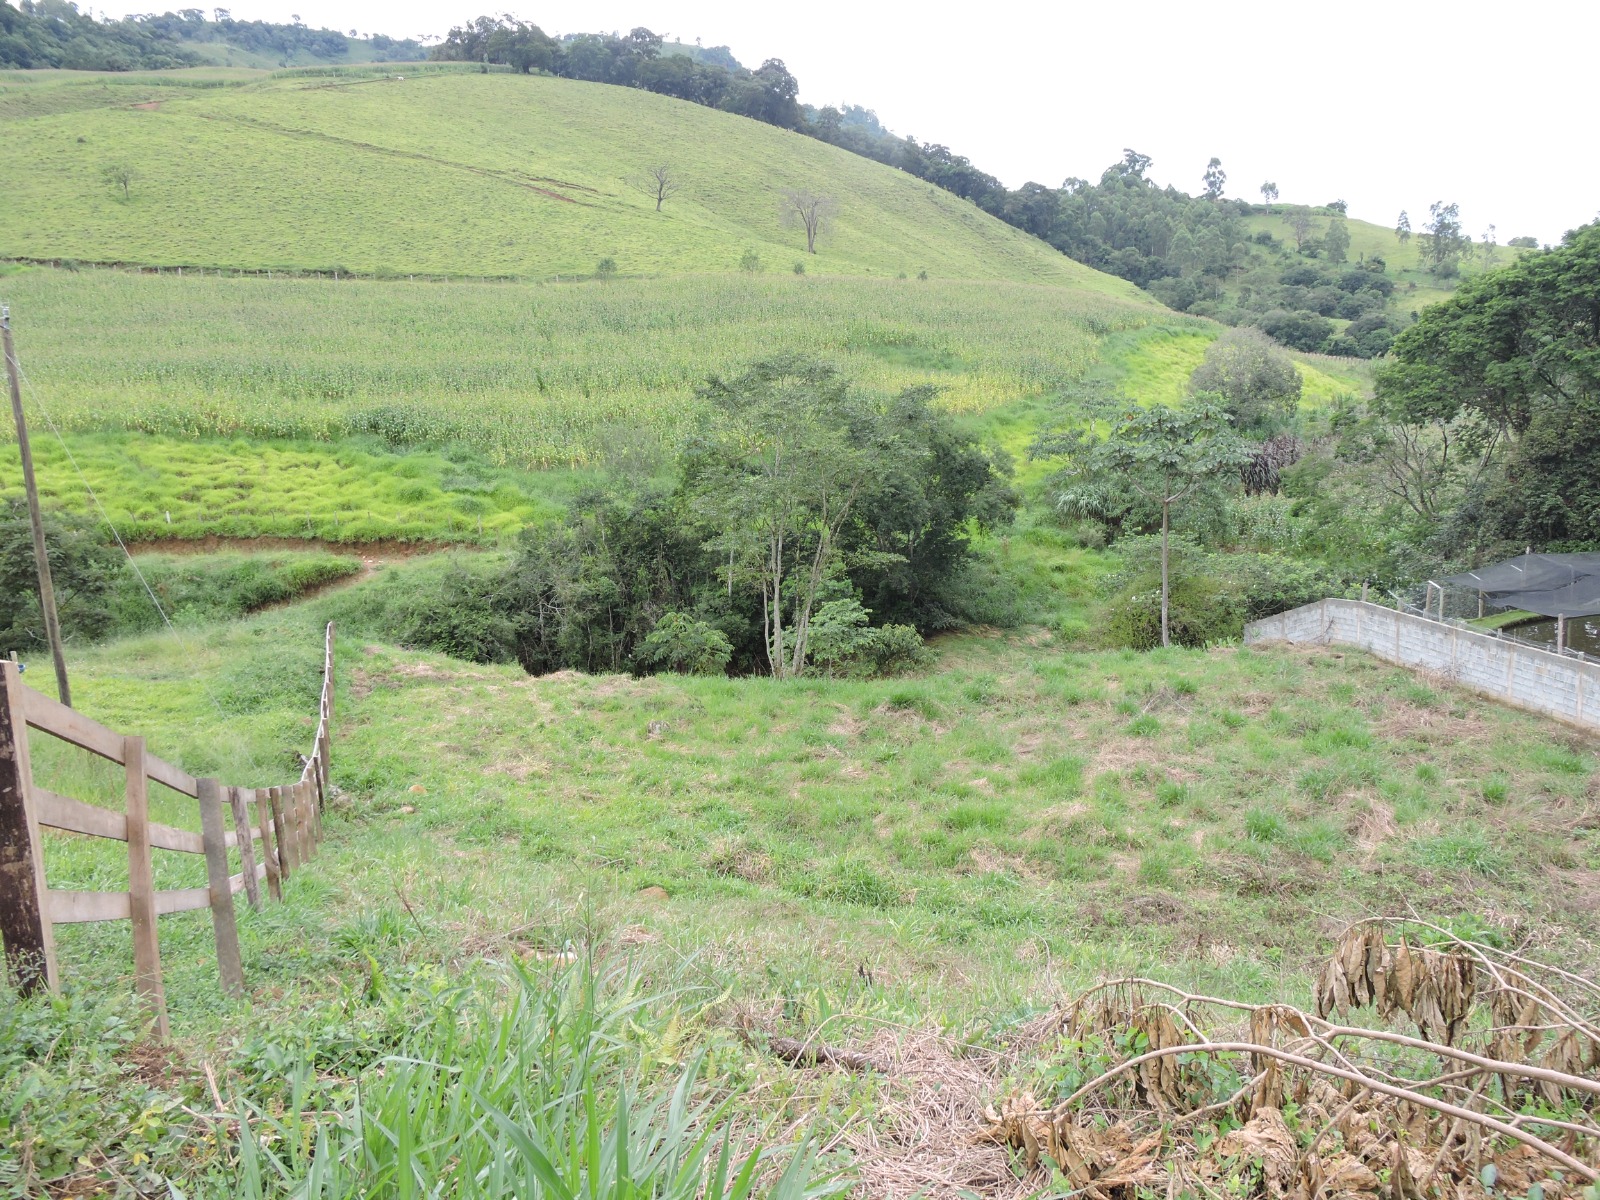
[(1386, 105)]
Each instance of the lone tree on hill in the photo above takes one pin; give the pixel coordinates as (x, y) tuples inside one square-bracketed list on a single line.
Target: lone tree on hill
[(1298, 219), (1269, 192), (1162, 453), (1336, 242), (1443, 241), (1254, 379), (811, 210), (120, 176), (661, 182), (1402, 228), (1215, 179)]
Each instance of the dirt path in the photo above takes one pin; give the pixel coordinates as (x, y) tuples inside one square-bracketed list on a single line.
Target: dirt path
[(385, 549)]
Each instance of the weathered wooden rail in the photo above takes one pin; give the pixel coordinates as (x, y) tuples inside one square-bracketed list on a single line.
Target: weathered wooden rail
[(284, 823)]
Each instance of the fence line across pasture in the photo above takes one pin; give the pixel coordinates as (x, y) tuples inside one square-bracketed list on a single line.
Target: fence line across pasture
[(284, 822)]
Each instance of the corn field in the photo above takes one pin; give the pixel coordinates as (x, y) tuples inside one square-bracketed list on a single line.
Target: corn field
[(532, 375)]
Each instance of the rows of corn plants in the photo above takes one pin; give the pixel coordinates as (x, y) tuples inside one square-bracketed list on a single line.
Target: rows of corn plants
[(532, 375)]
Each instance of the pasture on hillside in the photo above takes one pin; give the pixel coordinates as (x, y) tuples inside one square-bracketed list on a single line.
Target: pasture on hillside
[(453, 172)]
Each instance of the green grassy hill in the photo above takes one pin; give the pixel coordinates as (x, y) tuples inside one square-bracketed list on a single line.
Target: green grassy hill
[(461, 173)]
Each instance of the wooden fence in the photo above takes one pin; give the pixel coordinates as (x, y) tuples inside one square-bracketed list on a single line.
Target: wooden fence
[(284, 823)]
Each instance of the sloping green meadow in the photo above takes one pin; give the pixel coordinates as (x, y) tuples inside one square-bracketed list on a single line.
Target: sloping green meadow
[(527, 374), (946, 837), (461, 173)]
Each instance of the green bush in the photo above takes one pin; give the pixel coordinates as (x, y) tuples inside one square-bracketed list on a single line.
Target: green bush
[(460, 611), (1201, 610), (82, 566), (685, 645), (842, 643)]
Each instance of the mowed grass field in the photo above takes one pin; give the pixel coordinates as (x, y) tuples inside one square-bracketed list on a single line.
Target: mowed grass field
[(460, 173)]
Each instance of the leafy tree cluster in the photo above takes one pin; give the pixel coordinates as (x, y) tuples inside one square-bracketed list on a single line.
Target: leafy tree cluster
[(635, 59), (811, 528), (1487, 419), (53, 33)]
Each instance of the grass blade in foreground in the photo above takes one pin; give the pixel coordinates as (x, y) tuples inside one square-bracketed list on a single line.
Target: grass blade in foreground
[(540, 1100)]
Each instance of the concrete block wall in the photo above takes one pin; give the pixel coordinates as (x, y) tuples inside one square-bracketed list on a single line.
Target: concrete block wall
[(1540, 681)]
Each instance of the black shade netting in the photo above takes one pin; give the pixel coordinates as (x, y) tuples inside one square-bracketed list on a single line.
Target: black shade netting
[(1535, 574), (1580, 599)]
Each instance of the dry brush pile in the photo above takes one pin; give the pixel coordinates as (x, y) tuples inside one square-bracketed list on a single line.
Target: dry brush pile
[(1479, 1078)]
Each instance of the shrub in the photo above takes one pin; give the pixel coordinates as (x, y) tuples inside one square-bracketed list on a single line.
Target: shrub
[(842, 643), (1300, 330), (606, 268), (1200, 610), (750, 261), (82, 566), (682, 644), (461, 613)]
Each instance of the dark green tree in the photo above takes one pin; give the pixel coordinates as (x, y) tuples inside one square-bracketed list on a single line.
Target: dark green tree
[(1512, 360), (1215, 179)]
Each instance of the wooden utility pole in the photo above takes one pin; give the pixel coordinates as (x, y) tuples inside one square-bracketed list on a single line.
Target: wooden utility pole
[(47, 591)]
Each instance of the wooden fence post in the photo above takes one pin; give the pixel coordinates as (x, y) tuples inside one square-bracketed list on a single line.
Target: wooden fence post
[(308, 827), (142, 886), (269, 850), (280, 825), (24, 923), (212, 832), (247, 849), (319, 791), (293, 795)]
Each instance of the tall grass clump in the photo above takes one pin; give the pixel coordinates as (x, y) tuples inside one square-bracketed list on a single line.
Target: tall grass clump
[(535, 1092)]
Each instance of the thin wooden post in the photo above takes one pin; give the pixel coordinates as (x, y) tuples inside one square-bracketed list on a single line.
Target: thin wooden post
[(229, 965), (24, 924), (41, 556), (297, 822), (280, 825), (142, 886), (269, 853), (280, 829), (318, 792), (306, 803), (247, 849)]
